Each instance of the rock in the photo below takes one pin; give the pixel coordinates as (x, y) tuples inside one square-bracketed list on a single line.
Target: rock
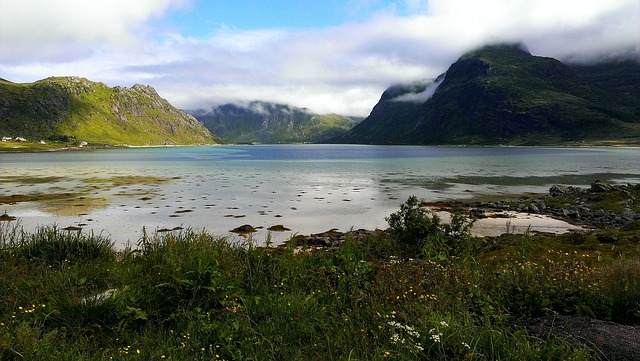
[(584, 211), (599, 187), (610, 340), (477, 214), (626, 202), (533, 208), (328, 239), (4, 217), (278, 228), (628, 214), (72, 228), (243, 229), (560, 190)]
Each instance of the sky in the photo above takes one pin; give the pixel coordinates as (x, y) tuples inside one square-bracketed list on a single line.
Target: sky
[(326, 55)]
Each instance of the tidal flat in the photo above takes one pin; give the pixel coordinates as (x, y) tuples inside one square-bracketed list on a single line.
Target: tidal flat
[(304, 188)]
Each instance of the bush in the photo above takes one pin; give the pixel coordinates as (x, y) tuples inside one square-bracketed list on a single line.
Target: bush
[(422, 232)]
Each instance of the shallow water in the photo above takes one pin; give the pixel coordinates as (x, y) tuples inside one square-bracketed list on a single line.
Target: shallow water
[(307, 188)]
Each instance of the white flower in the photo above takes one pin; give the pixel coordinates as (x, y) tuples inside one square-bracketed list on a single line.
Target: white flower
[(466, 345), (395, 338), (436, 338), (444, 324), (394, 324)]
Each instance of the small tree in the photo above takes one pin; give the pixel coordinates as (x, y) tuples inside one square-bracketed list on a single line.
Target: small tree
[(412, 225), (421, 231)]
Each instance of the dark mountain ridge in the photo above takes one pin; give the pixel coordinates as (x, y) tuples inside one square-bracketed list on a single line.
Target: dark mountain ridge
[(502, 94)]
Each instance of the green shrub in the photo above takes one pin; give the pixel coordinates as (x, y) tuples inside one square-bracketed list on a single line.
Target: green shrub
[(422, 231)]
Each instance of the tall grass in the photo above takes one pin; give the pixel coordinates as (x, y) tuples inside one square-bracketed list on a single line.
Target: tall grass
[(52, 245), (189, 295)]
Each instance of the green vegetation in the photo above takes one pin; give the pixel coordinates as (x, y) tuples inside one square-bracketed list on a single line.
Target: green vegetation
[(501, 94), (263, 122), (188, 295), (67, 111), (30, 146)]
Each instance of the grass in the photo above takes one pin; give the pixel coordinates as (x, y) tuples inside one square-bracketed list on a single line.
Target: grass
[(189, 295), (12, 146), (79, 110)]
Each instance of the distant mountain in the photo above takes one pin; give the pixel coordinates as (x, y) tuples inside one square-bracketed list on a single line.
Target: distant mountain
[(504, 95), (264, 122), (75, 109)]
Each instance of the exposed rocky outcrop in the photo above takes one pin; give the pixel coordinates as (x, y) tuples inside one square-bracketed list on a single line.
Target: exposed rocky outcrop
[(602, 205)]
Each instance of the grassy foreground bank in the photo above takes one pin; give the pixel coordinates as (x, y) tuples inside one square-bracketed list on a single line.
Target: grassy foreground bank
[(423, 290)]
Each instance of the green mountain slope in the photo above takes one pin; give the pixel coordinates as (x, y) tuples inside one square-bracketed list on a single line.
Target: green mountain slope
[(504, 95), (263, 122), (76, 109)]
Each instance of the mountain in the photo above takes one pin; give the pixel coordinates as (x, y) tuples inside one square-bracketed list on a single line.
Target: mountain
[(264, 122), (72, 109), (502, 94)]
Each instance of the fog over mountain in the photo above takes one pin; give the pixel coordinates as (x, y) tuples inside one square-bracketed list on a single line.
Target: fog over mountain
[(194, 52), (264, 122), (502, 94)]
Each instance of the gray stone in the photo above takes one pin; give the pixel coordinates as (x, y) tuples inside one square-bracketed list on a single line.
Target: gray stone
[(600, 187)]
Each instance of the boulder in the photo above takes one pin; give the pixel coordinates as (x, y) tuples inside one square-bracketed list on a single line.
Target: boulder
[(244, 229), (558, 190), (599, 187)]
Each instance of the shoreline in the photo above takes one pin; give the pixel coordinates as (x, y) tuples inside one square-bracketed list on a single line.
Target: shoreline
[(493, 215), (35, 146)]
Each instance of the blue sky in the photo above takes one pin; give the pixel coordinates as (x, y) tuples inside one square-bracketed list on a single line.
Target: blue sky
[(202, 17), (330, 56)]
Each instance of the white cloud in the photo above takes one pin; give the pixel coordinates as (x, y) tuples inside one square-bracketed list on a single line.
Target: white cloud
[(66, 29), (420, 97), (341, 69)]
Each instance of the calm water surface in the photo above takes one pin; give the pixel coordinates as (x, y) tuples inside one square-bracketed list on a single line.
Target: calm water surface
[(307, 188)]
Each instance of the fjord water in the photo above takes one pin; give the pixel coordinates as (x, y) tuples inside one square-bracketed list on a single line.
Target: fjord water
[(307, 188)]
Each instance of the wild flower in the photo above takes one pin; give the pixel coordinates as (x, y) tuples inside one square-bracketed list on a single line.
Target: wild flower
[(410, 339), (436, 337)]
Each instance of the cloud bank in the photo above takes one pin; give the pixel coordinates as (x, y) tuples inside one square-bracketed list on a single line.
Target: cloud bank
[(340, 69)]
